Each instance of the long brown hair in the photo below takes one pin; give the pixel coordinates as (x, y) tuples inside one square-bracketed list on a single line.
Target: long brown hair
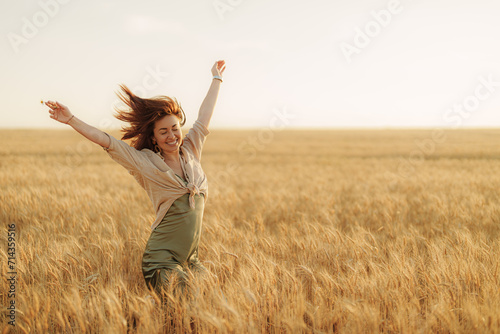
[(142, 115)]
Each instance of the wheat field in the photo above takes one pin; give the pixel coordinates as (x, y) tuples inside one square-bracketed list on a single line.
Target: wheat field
[(313, 231)]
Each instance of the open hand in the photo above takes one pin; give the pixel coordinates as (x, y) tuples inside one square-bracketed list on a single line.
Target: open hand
[(219, 67), (59, 111)]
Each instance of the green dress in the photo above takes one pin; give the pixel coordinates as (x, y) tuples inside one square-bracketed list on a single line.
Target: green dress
[(173, 244)]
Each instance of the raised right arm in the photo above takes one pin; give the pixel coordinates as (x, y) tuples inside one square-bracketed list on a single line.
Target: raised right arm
[(62, 114)]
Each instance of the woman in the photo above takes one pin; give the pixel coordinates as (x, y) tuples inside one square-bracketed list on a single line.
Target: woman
[(168, 167)]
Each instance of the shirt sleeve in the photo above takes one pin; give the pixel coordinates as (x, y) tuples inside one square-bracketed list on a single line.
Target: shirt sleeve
[(195, 138), (124, 154)]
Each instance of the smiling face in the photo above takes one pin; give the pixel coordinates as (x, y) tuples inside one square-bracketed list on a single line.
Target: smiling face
[(168, 134)]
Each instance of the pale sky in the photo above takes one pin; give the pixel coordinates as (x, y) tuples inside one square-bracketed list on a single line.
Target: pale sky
[(407, 63)]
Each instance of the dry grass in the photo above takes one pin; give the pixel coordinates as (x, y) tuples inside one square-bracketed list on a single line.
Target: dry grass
[(313, 231)]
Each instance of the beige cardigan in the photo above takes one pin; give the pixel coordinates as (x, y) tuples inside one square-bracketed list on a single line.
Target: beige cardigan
[(161, 183)]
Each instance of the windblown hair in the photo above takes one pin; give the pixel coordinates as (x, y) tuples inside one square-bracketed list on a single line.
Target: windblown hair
[(142, 115)]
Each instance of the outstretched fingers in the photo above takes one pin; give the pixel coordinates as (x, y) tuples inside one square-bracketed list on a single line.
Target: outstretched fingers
[(221, 65), (52, 105), (53, 109)]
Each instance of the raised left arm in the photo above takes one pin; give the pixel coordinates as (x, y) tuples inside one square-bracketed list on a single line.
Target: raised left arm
[(208, 104)]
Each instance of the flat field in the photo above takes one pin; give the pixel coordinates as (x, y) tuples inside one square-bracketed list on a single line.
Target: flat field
[(317, 231)]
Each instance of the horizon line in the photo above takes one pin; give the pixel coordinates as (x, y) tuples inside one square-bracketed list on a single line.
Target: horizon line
[(292, 128)]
